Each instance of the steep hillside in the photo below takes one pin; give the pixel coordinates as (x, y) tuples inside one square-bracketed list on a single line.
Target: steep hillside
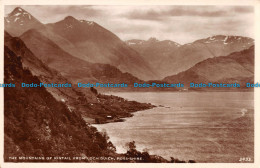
[(38, 125), (94, 107), (74, 69), (96, 44), (39, 69)]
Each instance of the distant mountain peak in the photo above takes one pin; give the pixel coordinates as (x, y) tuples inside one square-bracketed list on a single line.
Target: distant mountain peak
[(18, 9), (70, 22), (171, 43), (19, 21), (19, 16), (152, 39), (70, 18), (227, 40), (19, 12)]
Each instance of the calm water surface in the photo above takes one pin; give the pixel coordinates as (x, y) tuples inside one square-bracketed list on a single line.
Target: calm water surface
[(200, 126)]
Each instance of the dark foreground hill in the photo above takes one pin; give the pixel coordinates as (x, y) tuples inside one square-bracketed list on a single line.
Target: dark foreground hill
[(37, 126)]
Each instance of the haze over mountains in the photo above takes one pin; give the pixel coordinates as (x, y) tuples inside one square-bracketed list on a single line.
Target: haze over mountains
[(83, 51)]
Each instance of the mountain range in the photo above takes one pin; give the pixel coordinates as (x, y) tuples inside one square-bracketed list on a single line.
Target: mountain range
[(85, 40), (170, 58), (88, 48), (83, 51)]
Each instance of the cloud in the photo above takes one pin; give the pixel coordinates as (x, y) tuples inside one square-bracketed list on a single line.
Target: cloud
[(147, 15), (182, 24), (192, 11), (243, 9)]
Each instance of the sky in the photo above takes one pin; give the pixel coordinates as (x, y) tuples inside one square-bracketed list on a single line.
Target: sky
[(181, 24)]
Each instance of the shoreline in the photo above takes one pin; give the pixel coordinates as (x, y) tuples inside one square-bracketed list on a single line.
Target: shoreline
[(123, 117)]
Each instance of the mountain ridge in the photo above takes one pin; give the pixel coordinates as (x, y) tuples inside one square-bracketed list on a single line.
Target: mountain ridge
[(88, 41), (173, 58), (236, 67)]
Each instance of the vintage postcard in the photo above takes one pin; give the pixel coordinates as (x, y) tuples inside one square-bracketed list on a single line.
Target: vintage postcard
[(130, 84)]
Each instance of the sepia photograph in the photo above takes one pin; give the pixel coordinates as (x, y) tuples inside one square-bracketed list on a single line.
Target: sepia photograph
[(113, 83)]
